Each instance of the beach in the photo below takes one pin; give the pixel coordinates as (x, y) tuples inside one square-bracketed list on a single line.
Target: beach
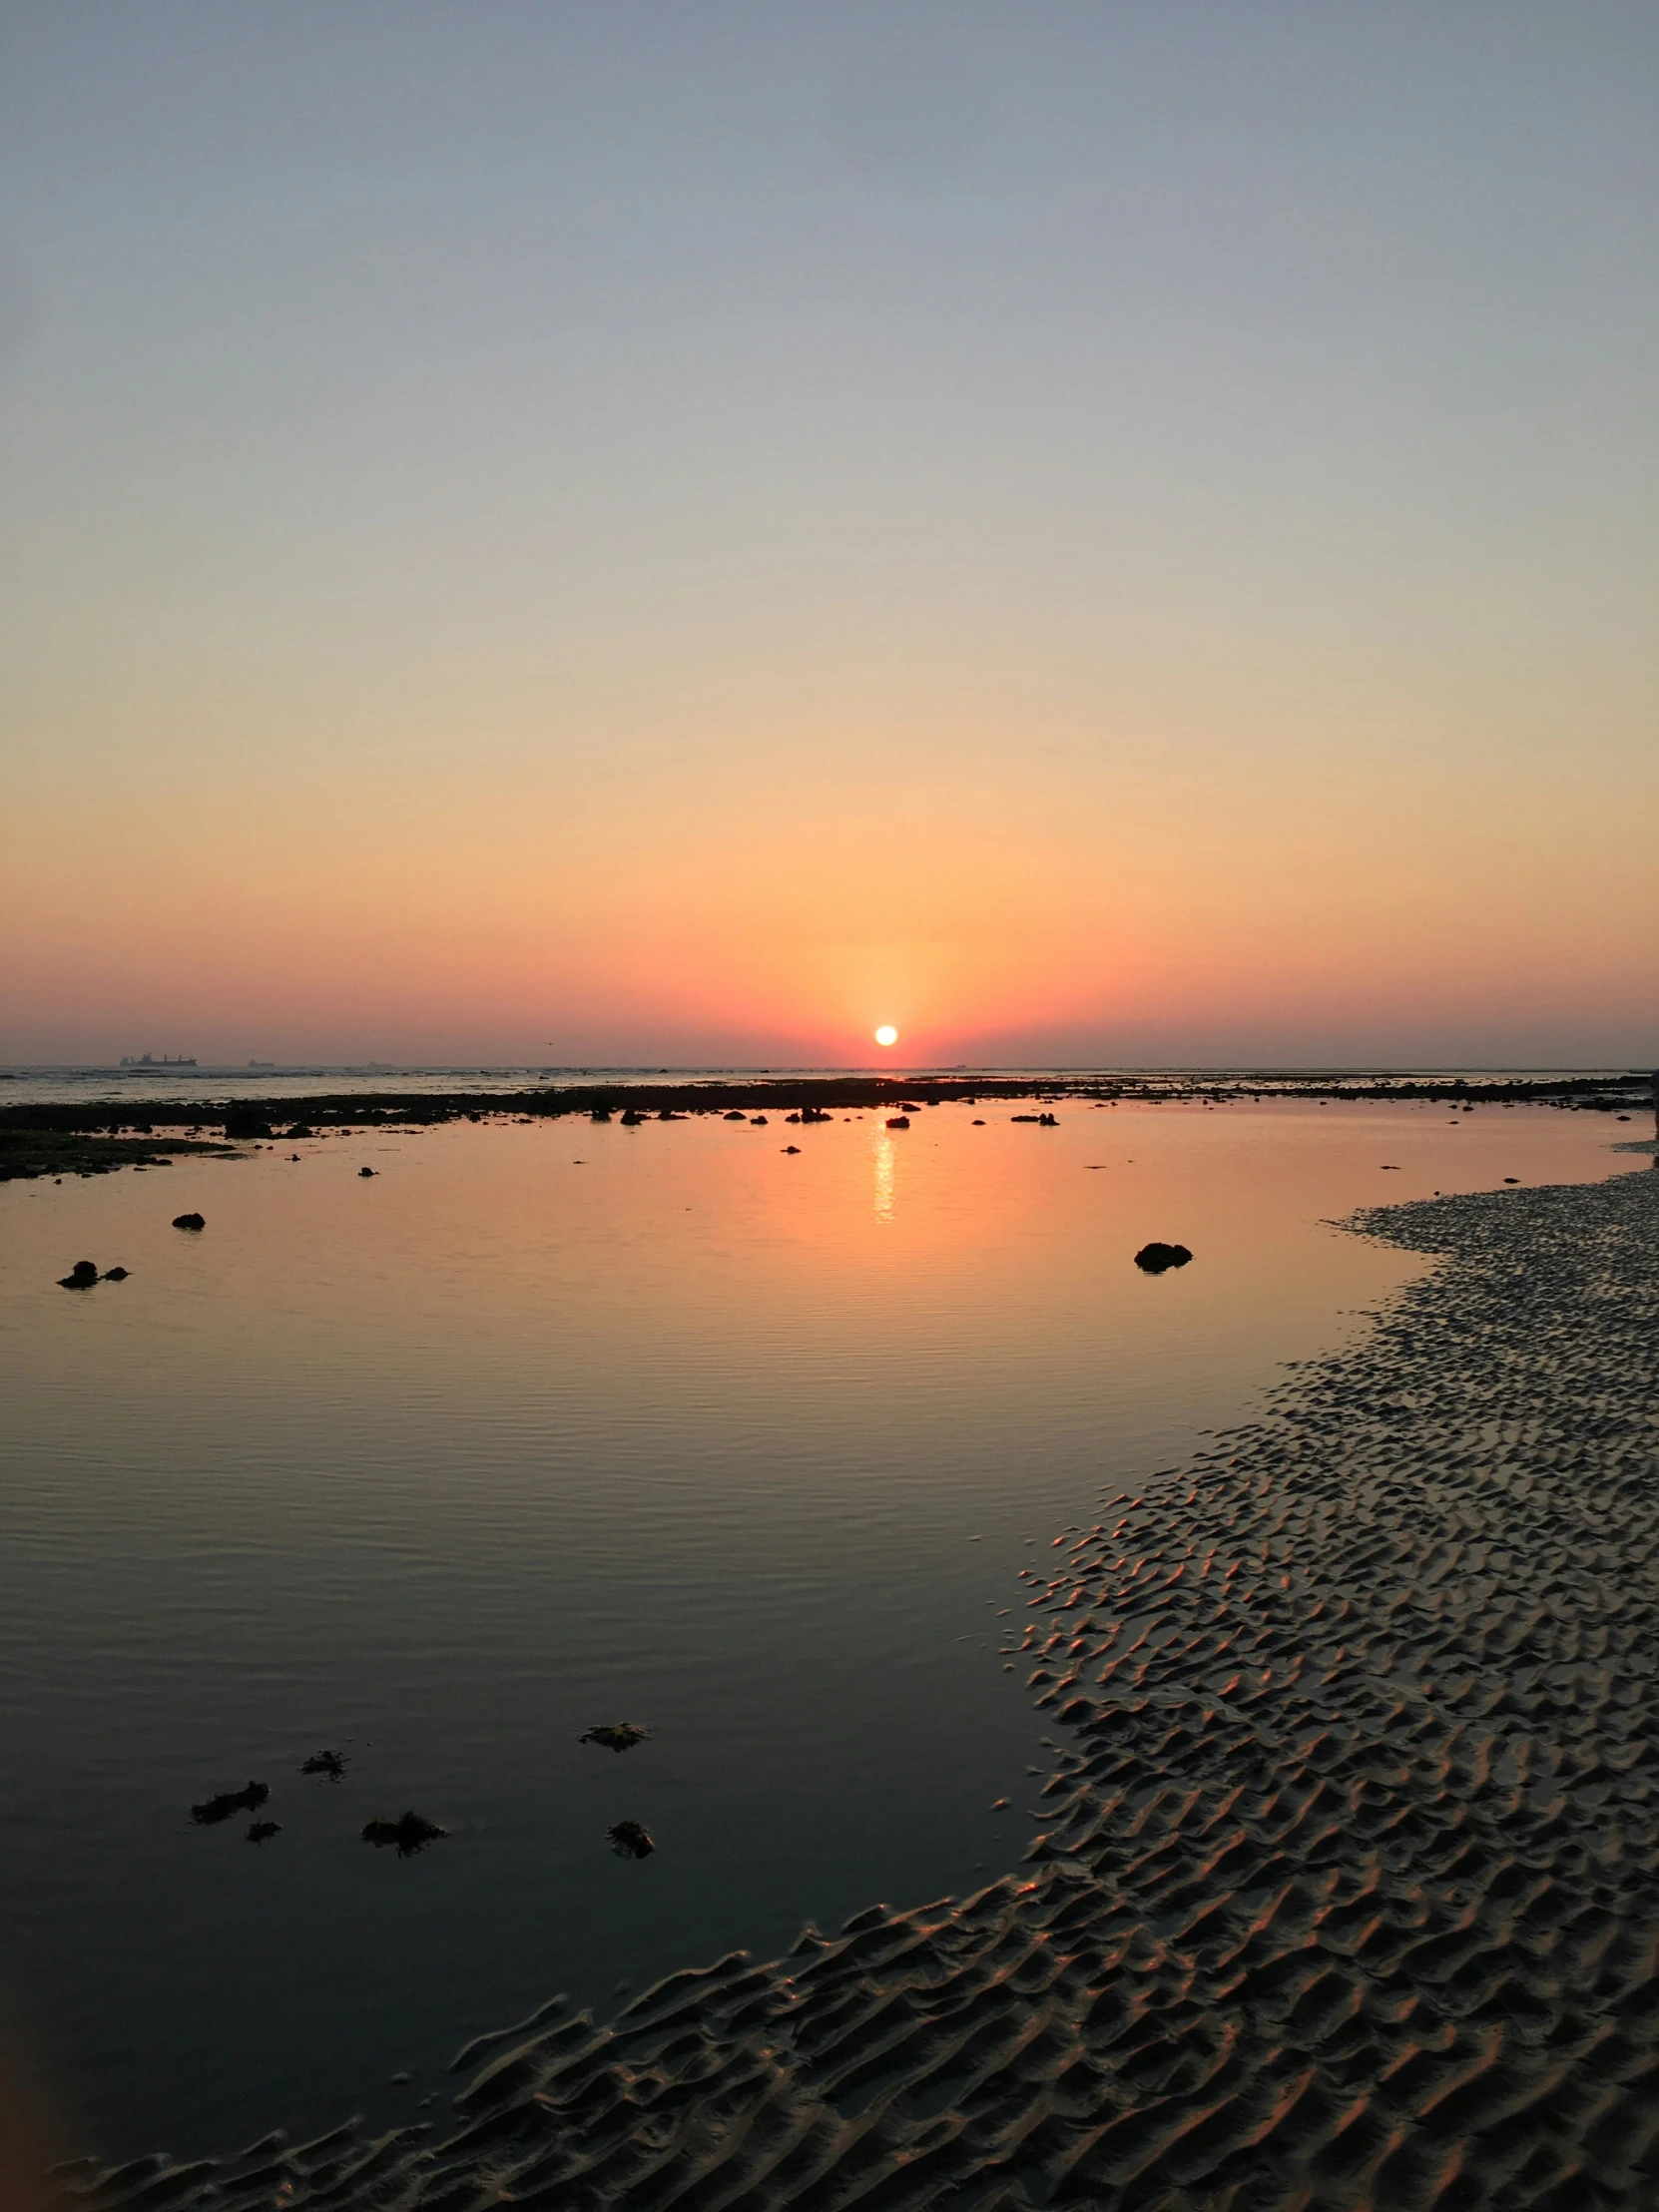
[(1345, 1893)]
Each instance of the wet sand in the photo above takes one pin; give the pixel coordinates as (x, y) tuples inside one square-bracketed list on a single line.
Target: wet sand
[(1346, 1894)]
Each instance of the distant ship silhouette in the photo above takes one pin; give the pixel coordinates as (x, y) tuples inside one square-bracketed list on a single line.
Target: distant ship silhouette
[(148, 1060)]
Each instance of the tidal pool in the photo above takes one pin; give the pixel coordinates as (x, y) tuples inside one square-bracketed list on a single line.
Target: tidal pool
[(553, 1424)]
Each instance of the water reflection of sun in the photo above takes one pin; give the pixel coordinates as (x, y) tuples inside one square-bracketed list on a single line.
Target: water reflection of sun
[(883, 1176)]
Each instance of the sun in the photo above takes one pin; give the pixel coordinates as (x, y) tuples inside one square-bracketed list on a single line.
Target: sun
[(887, 1034)]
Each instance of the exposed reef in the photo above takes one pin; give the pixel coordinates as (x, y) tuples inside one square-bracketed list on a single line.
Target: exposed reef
[(812, 1098), (31, 1147)]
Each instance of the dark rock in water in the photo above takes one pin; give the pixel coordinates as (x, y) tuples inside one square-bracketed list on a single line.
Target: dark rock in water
[(1024, 1117), (756, 1121), (791, 1147), (365, 1171), (979, 1125), (81, 1276), (631, 1120), (615, 1735), (898, 1121), (735, 1115), (259, 1831), (331, 1763), (409, 1832), (629, 1840), (600, 1113), (115, 1275), (792, 1117), (190, 1221), (1049, 1121), (666, 1114), (247, 1125), (229, 1800), (299, 1130), (1152, 1258), (909, 1106)]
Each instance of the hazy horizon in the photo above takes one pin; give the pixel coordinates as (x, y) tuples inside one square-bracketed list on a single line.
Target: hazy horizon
[(604, 535)]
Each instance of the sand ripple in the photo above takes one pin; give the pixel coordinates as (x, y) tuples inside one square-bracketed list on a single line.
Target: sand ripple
[(1346, 1894)]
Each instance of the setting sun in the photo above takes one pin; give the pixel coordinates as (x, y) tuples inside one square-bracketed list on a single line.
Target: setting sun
[(887, 1034)]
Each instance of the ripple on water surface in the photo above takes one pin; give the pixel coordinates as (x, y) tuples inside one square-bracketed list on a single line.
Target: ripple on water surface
[(440, 1467)]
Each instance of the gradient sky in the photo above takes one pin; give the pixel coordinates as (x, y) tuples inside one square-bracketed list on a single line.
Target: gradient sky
[(679, 532)]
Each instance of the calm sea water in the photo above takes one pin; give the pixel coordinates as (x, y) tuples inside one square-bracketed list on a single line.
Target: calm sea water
[(544, 1425)]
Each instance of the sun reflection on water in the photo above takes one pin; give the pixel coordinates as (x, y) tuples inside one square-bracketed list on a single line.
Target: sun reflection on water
[(883, 1176)]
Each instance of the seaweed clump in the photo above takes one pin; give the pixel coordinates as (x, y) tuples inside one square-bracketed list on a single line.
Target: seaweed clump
[(228, 1801), (410, 1834), (615, 1736)]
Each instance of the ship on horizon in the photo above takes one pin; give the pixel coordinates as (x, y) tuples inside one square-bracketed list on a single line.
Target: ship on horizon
[(149, 1060)]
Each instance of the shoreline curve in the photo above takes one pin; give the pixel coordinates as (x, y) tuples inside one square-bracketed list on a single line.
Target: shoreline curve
[(1347, 1896)]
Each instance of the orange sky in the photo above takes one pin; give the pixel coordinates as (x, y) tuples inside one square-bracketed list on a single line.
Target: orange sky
[(1068, 546)]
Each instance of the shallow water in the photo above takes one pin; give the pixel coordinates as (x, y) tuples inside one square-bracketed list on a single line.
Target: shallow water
[(439, 1468)]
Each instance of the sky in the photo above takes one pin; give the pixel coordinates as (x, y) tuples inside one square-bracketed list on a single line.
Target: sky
[(674, 534)]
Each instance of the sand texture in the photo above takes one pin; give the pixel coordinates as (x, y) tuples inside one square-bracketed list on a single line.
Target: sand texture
[(1347, 1891)]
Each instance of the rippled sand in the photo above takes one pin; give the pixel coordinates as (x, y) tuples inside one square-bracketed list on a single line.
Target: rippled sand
[(1347, 1891)]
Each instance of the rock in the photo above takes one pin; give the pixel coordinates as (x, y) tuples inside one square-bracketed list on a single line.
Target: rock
[(737, 1114), (615, 1735), (1049, 1121), (115, 1275), (247, 1125), (631, 1120), (298, 1130), (756, 1121), (190, 1221), (228, 1801), (365, 1171), (600, 1113), (979, 1125), (331, 1763), (260, 1830), (898, 1121), (1152, 1258), (409, 1832), (791, 1147), (81, 1276), (630, 1840)]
